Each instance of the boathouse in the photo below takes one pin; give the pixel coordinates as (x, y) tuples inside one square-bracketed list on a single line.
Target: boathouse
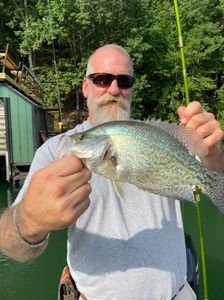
[(23, 119)]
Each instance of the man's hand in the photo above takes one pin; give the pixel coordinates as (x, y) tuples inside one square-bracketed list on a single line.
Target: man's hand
[(208, 127), (57, 195)]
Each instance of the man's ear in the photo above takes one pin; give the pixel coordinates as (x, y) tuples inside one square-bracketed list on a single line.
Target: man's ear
[(85, 87)]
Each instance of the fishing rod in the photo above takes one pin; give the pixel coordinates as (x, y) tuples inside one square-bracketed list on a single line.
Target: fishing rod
[(197, 194)]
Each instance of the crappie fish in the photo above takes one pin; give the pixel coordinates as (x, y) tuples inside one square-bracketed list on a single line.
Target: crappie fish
[(154, 156)]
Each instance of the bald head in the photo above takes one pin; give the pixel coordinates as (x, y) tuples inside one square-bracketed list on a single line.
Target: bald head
[(107, 51), (108, 100)]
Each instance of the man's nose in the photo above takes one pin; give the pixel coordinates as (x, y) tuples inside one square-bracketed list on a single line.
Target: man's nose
[(114, 88)]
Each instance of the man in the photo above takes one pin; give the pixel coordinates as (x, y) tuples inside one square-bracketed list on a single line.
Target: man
[(116, 250)]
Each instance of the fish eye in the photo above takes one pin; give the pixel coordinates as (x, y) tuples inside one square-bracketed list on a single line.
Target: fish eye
[(81, 136)]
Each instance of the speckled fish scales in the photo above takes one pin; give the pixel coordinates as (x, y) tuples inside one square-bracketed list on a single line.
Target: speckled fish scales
[(155, 156)]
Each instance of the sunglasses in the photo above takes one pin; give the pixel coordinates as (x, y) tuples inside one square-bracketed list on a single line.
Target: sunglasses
[(104, 80)]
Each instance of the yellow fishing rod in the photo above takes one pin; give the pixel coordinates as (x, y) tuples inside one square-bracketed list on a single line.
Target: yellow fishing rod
[(197, 192)]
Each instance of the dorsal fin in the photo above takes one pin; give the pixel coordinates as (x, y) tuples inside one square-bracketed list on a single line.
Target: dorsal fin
[(187, 136)]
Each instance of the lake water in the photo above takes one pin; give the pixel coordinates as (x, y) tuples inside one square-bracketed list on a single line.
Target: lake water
[(38, 279), (213, 231), (35, 280)]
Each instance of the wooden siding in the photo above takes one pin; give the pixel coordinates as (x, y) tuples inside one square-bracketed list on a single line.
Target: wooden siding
[(20, 122)]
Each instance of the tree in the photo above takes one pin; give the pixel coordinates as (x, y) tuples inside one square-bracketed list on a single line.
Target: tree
[(63, 33)]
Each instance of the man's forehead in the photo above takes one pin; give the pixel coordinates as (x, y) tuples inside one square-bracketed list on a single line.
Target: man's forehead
[(115, 60)]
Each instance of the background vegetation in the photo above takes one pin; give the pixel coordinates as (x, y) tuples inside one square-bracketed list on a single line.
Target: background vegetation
[(146, 28)]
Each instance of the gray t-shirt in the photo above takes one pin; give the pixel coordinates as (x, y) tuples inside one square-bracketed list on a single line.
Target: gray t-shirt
[(130, 248)]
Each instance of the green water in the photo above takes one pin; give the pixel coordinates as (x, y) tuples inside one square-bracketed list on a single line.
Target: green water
[(35, 280), (213, 230), (38, 279)]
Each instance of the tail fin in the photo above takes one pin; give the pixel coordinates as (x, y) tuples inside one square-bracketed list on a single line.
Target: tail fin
[(215, 191)]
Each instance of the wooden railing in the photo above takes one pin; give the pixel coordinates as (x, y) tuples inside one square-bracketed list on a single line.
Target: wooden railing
[(19, 74)]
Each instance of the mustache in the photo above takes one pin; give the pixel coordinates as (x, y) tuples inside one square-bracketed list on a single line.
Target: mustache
[(108, 98)]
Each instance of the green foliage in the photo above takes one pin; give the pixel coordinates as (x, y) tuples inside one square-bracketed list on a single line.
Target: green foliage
[(146, 28), (220, 106), (67, 78)]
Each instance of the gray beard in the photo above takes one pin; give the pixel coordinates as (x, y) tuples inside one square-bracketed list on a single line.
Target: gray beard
[(103, 112)]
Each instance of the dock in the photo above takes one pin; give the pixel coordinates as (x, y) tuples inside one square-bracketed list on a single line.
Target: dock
[(23, 118)]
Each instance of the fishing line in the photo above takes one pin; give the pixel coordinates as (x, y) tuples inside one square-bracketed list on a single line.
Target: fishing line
[(197, 194)]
